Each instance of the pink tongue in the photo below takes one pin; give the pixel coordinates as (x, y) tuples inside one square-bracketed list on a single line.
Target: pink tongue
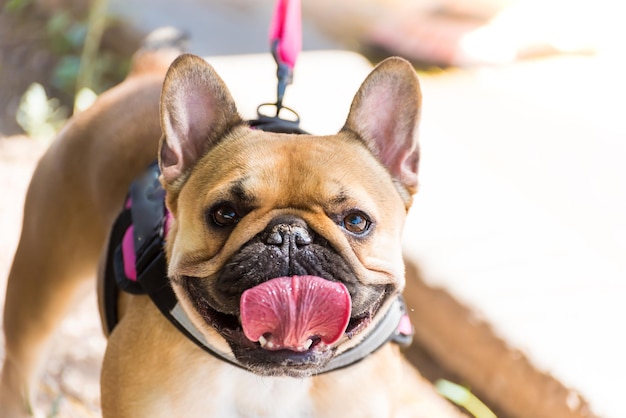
[(292, 312)]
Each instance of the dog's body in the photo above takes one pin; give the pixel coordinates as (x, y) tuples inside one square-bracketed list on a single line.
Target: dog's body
[(325, 206)]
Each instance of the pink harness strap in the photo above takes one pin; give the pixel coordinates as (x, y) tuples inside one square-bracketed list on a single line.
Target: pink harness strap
[(128, 248), (129, 255)]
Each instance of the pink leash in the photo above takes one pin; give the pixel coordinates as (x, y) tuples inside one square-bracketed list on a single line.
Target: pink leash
[(286, 43)]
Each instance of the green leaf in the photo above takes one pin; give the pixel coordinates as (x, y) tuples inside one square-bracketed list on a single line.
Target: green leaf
[(39, 116), (64, 76), (13, 6), (84, 98), (463, 397)]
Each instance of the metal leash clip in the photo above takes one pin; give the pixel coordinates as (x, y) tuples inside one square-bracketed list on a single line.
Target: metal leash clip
[(286, 44)]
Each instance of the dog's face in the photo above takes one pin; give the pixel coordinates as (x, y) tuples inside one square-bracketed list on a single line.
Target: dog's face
[(285, 249)]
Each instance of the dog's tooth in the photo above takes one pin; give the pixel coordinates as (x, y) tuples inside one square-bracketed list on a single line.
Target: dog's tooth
[(308, 344), (262, 341)]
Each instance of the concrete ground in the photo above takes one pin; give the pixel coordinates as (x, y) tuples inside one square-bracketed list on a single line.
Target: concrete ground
[(520, 216)]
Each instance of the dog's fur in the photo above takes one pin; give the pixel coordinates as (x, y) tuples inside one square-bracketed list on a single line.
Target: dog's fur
[(207, 156)]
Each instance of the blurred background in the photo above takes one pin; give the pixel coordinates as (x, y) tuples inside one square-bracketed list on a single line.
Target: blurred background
[(520, 216), (44, 40)]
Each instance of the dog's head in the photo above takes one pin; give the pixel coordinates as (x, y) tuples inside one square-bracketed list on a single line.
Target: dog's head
[(285, 249)]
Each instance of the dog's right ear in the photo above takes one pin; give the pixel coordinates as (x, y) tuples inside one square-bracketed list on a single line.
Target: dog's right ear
[(196, 111)]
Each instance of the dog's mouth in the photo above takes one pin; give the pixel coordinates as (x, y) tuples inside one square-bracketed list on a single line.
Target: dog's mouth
[(286, 325)]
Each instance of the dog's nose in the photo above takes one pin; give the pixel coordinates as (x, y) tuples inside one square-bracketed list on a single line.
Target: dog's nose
[(288, 229)]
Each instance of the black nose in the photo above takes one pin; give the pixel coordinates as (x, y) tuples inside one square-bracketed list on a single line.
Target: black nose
[(288, 230)]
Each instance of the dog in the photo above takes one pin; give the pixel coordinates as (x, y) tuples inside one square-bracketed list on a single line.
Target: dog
[(283, 251)]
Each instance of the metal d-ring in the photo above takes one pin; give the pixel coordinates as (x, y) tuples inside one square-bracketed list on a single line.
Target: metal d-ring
[(276, 123)]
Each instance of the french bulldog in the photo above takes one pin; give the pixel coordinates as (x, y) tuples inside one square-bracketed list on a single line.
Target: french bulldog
[(283, 251)]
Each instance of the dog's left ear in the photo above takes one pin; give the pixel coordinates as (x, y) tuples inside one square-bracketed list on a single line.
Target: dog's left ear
[(385, 114), (196, 111)]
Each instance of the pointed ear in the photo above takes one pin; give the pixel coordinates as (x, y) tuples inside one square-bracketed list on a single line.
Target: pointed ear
[(196, 111), (385, 114)]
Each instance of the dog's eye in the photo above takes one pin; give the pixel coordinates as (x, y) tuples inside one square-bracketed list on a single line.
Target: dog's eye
[(224, 215), (356, 222)]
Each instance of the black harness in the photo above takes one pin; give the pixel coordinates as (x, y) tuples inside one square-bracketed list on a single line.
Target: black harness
[(136, 264)]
